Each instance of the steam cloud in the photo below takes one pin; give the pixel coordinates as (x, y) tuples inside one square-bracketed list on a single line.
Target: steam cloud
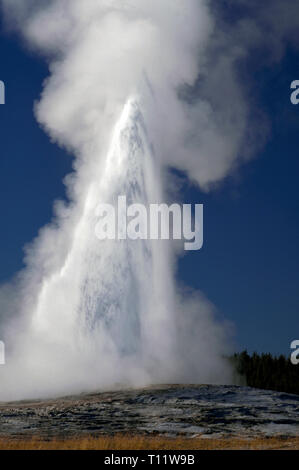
[(135, 87)]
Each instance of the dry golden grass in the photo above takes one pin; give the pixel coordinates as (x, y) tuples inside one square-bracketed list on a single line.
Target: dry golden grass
[(122, 442)]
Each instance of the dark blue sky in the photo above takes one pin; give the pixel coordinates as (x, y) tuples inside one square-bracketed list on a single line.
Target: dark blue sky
[(249, 264)]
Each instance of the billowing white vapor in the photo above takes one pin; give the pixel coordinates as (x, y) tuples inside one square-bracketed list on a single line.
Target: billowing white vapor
[(88, 313)]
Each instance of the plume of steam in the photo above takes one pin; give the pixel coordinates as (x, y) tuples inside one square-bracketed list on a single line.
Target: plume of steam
[(178, 61)]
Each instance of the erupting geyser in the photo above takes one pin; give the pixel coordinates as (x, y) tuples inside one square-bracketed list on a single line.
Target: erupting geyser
[(86, 313), (114, 299), (107, 314)]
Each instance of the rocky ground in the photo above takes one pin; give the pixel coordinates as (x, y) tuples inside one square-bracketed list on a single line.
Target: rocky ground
[(176, 410)]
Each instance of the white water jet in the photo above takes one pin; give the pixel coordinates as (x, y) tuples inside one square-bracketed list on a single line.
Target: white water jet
[(110, 293), (84, 313), (107, 315), (105, 306)]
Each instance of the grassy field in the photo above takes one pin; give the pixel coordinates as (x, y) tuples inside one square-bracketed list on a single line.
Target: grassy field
[(122, 442)]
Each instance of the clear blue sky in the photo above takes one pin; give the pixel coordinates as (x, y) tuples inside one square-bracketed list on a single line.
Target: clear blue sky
[(249, 264)]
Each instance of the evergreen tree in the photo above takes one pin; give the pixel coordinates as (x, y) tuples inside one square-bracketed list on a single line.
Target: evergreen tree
[(266, 372)]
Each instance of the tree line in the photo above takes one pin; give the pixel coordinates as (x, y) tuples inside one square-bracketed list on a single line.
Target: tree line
[(266, 372)]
